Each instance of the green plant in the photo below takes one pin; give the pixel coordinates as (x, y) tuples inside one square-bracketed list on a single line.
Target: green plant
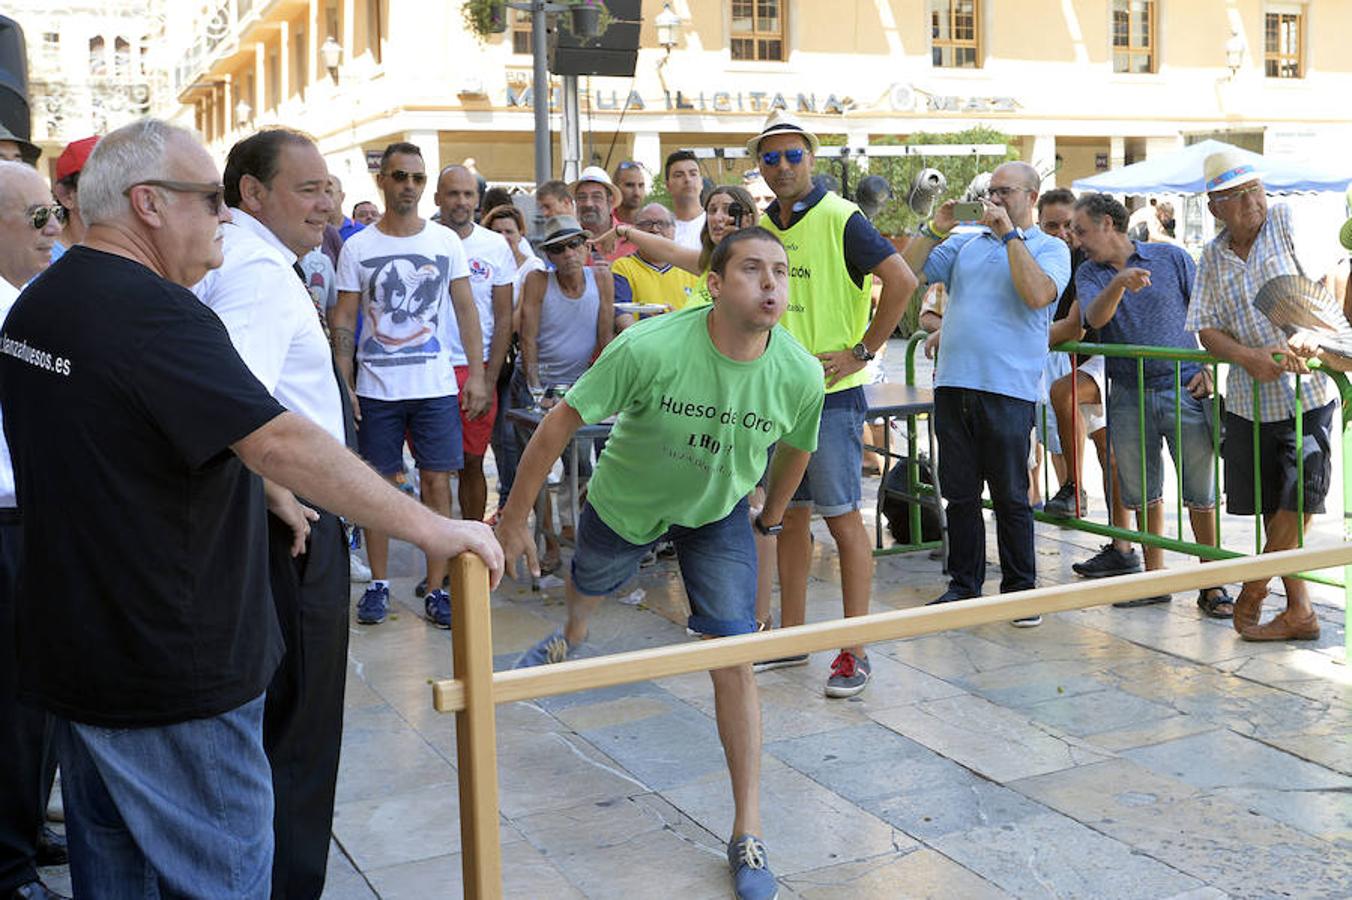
[(485, 17), (604, 19)]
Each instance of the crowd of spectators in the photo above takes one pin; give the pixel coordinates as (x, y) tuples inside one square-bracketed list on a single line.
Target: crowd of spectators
[(247, 416)]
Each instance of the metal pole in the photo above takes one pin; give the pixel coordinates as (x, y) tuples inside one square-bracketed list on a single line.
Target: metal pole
[(544, 166), (572, 133)]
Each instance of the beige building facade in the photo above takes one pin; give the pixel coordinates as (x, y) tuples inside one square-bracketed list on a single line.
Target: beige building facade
[(1080, 85)]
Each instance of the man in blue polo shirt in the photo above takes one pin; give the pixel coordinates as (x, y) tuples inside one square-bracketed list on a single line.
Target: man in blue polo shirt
[(1138, 293), (1003, 283)]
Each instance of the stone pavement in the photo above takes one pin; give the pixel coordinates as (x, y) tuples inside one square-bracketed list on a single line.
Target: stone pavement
[(1108, 753)]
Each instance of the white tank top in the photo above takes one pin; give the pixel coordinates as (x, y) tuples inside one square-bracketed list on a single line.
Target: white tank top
[(567, 330)]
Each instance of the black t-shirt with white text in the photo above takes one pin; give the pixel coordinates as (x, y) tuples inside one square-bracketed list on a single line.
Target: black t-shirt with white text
[(143, 589)]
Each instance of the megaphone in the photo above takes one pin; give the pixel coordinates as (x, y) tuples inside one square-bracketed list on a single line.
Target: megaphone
[(927, 186)]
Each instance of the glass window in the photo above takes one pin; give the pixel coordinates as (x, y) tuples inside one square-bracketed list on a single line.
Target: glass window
[(98, 60), (758, 30), (955, 34), (1134, 36), (521, 37), (1282, 44)]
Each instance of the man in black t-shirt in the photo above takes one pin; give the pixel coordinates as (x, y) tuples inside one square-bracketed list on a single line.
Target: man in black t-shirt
[(136, 431)]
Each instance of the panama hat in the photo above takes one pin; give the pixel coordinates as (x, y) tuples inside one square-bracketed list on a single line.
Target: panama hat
[(598, 175), (780, 122), (562, 228), (1227, 169)]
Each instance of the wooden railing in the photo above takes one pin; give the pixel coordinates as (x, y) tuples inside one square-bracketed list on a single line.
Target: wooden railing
[(476, 690)]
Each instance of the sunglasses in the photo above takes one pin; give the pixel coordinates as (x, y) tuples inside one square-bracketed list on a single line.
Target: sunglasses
[(771, 157), (39, 216), (629, 164), (569, 245), (214, 192), (399, 175)]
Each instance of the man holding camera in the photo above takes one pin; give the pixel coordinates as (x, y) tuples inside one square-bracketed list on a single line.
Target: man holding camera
[(1003, 283)]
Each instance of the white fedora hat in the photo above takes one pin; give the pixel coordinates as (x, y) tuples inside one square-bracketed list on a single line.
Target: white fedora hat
[(781, 122), (598, 175), (1227, 169)]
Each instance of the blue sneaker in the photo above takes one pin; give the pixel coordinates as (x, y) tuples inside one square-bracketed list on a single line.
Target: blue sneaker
[(751, 875), (374, 605), (553, 649), (437, 608)]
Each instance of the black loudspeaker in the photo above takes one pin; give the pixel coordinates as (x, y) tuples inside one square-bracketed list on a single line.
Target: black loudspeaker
[(615, 52), (14, 113)]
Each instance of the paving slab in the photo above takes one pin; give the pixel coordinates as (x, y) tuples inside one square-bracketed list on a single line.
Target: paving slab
[(923, 874), (1222, 758), (662, 751), (1001, 744), (806, 826), (526, 874)]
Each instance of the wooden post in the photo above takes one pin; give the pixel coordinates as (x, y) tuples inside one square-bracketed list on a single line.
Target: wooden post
[(476, 730)]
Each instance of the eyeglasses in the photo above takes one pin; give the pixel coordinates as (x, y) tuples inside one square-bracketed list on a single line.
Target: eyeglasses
[(1222, 199), (214, 192), (39, 216), (794, 156), (1003, 192), (569, 245), (399, 175), (653, 225)]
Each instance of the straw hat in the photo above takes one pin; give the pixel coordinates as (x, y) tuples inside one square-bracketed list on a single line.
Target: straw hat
[(598, 175), (781, 122), (1227, 169)]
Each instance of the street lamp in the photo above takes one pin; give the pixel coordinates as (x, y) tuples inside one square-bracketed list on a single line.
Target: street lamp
[(1234, 53), (331, 52), (668, 28), (243, 113)]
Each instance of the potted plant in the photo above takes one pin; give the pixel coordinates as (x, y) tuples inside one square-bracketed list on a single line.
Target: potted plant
[(485, 17), (586, 17)]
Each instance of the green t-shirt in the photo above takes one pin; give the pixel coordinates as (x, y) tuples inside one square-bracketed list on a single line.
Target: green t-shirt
[(693, 425)]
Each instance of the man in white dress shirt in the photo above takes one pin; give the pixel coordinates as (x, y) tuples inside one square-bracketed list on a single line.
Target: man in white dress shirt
[(274, 185)]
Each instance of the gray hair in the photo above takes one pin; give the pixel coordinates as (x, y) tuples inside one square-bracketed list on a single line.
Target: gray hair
[(132, 154)]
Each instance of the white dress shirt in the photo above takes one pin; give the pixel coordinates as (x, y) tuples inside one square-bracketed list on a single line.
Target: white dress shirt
[(272, 322), (8, 294)]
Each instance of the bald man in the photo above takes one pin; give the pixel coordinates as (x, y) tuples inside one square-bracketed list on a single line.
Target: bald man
[(642, 280), (1003, 283), (28, 226)]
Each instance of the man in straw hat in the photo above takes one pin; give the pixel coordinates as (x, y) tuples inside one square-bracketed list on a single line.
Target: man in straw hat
[(833, 253), (1257, 244), (596, 198)]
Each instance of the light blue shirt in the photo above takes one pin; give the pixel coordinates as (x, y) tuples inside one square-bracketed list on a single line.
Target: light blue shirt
[(991, 340)]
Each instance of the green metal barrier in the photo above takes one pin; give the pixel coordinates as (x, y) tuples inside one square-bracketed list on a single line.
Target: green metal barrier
[(1177, 544)]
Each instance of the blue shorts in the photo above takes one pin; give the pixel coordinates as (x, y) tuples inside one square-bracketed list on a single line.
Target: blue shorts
[(832, 484), (717, 560), (431, 424), (1199, 491)]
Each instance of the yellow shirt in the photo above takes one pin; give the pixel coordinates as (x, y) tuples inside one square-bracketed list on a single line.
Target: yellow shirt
[(639, 281)]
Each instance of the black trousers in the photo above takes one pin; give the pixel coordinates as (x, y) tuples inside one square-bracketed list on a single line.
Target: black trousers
[(27, 758), (303, 716)]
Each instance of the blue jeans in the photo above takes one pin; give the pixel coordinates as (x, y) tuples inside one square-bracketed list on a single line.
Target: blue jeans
[(506, 444), (832, 484), (717, 560), (181, 810), (1124, 413), (983, 440)]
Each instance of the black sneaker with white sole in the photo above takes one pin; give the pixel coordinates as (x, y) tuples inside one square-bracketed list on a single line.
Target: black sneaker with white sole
[(1107, 562)]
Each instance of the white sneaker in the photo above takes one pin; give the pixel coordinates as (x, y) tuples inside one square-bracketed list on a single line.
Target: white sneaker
[(358, 570)]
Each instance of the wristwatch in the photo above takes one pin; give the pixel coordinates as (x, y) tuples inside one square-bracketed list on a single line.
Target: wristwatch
[(1014, 234), (767, 530), (862, 353)]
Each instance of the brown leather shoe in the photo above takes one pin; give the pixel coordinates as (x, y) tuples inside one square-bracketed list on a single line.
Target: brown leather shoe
[(1283, 627), (1248, 609)]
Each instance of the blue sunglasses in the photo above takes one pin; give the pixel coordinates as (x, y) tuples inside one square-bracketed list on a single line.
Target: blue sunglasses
[(794, 157)]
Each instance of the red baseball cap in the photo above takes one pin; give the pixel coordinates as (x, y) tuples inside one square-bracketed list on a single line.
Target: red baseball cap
[(72, 159)]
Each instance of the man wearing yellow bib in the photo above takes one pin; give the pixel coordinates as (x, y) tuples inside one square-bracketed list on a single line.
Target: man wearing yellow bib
[(834, 253)]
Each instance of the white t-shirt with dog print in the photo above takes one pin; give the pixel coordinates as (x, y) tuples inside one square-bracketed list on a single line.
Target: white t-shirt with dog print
[(407, 326)]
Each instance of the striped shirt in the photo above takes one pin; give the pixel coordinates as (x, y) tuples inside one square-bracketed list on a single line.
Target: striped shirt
[(1223, 299)]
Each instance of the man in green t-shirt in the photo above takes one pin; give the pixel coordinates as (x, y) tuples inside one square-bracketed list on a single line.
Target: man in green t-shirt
[(701, 395)]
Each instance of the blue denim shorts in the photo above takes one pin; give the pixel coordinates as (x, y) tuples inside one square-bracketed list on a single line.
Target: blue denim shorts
[(1199, 485), (717, 560), (431, 424), (832, 484)]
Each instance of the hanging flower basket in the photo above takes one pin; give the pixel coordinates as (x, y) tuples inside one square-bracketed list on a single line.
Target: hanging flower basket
[(485, 17)]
